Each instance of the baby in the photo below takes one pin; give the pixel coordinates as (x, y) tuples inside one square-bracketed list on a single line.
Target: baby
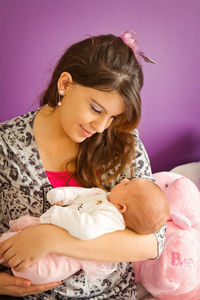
[(144, 209), (87, 213)]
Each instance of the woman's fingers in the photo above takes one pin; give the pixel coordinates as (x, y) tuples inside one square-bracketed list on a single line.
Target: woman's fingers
[(9, 280), (14, 262), (19, 287), (4, 246), (10, 258), (19, 253), (21, 282), (18, 264), (22, 265), (36, 289)]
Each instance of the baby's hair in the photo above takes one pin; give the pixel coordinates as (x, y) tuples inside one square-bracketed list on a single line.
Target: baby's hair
[(147, 207), (104, 63)]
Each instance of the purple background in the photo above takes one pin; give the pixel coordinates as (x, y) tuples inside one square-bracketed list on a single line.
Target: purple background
[(34, 33)]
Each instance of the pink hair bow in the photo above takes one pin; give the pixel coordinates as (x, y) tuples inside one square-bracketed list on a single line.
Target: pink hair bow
[(127, 37)]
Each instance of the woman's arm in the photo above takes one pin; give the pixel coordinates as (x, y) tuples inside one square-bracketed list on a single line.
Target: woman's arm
[(116, 246)]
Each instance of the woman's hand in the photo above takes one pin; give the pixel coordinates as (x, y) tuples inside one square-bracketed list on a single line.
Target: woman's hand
[(29, 245), (19, 287)]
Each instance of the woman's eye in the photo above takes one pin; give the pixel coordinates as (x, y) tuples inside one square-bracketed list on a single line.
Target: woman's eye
[(96, 109)]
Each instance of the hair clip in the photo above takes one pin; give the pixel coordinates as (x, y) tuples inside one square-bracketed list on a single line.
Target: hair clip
[(129, 40)]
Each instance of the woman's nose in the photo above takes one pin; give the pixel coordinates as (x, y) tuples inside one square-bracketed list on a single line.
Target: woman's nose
[(100, 125)]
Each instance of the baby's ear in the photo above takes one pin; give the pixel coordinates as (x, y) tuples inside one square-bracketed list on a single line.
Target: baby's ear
[(121, 207)]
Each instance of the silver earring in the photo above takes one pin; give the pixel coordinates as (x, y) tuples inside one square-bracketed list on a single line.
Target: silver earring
[(60, 93)]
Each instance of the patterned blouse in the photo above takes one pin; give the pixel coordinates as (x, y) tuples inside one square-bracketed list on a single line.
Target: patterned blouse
[(23, 188)]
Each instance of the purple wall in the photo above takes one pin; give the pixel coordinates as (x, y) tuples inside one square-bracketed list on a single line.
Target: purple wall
[(34, 33)]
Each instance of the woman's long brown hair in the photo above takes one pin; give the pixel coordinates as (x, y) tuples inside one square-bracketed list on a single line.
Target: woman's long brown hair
[(105, 63)]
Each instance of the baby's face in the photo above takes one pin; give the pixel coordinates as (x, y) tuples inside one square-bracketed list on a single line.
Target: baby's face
[(121, 190)]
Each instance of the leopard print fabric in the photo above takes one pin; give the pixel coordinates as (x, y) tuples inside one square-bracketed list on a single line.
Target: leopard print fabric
[(23, 188)]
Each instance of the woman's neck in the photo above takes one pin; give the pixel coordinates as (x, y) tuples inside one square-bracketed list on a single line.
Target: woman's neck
[(54, 146)]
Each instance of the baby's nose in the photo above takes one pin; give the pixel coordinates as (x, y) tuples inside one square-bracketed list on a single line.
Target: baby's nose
[(125, 180)]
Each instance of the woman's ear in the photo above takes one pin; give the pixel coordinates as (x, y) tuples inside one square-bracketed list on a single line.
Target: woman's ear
[(64, 81), (121, 207)]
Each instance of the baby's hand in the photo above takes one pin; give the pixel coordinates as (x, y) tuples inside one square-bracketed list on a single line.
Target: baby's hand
[(56, 196), (60, 203)]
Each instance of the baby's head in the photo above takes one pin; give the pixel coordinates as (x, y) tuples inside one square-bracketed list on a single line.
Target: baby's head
[(143, 204)]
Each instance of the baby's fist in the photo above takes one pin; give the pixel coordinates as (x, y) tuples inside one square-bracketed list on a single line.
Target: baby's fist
[(56, 196)]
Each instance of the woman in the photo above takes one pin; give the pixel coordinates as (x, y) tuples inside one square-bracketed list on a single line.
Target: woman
[(82, 135)]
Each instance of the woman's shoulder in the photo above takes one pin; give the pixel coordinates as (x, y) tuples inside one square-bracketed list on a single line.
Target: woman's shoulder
[(18, 122), (17, 130)]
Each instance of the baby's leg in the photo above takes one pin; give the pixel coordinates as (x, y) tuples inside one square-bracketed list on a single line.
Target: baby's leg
[(50, 268), (95, 270), (23, 222)]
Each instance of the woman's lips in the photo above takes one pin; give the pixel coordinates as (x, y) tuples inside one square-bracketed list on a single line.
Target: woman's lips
[(86, 133)]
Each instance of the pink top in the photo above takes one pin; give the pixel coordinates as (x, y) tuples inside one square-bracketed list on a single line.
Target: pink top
[(62, 179)]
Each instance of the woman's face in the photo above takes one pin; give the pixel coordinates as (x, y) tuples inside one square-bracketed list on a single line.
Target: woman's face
[(86, 111)]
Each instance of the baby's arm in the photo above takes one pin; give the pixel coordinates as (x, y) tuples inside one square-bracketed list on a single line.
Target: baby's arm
[(66, 195), (81, 224)]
